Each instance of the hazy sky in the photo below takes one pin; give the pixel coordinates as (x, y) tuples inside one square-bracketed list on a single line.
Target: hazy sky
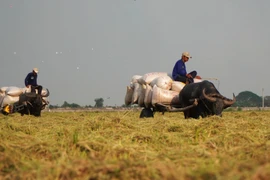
[(87, 49)]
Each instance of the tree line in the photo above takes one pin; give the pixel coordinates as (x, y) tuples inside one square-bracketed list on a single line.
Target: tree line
[(250, 99), (243, 99), (98, 104)]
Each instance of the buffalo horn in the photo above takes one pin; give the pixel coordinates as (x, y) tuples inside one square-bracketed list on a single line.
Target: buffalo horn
[(48, 93), (229, 102), (195, 103), (212, 99)]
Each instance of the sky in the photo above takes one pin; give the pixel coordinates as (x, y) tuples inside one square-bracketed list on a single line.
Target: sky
[(88, 49)]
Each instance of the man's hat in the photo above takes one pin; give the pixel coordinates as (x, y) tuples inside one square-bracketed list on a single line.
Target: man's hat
[(186, 54), (35, 70)]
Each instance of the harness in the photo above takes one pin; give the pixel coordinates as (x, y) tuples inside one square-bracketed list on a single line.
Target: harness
[(202, 99)]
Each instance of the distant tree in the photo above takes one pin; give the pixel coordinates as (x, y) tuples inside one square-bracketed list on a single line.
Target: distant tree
[(53, 106), (267, 101), (74, 105), (99, 102), (248, 99), (67, 105), (124, 105)]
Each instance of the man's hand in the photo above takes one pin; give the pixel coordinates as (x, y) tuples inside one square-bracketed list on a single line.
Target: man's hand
[(195, 102), (189, 76), (198, 77)]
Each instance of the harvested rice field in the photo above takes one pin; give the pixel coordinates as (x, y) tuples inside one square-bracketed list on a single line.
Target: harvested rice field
[(120, 145)]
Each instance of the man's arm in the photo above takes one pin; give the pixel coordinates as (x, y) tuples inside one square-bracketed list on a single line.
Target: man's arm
[(179, 69), (26, 80), (182, 68)]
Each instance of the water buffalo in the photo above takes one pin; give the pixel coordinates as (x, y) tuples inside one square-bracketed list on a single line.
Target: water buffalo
[(30, 104), (210, 101)]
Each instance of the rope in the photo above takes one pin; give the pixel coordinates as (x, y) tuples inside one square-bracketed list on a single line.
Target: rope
[(216, 79), (202, 99)]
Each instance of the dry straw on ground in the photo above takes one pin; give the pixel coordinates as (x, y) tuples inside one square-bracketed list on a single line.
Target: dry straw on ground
[(120, 145)]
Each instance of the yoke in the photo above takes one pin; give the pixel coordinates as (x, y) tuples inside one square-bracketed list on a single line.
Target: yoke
[(159, 107)]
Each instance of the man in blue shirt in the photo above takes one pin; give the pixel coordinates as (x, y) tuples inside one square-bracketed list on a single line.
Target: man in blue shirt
[(179, 71), (31, 81)]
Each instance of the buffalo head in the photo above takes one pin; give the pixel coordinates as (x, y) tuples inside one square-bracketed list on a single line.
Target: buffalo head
[(217, 102), (211, 102)]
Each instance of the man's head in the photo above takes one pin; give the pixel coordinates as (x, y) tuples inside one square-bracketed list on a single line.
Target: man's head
[(35, 70), (185, 56)]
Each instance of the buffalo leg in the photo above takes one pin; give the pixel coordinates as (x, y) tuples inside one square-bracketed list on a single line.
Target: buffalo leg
[(146, 113), (187, 114)]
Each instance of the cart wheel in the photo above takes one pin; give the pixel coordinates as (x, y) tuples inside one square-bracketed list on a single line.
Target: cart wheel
[(146, 113)]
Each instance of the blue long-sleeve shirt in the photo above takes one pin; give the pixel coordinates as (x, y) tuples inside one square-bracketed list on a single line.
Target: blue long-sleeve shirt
[(179, 69), (31, 79)]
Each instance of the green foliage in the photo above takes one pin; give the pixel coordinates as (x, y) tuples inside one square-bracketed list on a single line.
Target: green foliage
[(99, 102), (53, 106), (67, 105), (75, 137), (267, 101), (239, 109), (248, 99)]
